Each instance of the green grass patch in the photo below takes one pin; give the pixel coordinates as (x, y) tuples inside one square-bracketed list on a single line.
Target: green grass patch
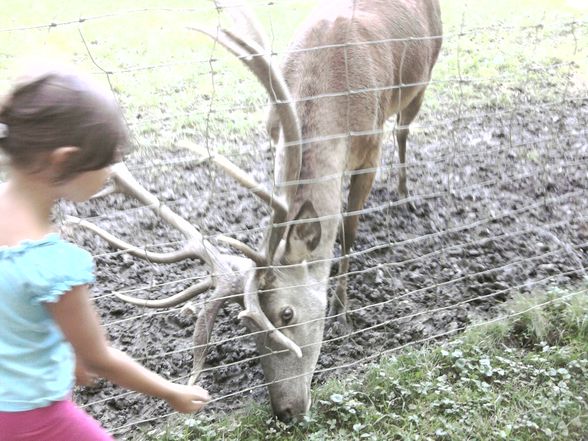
[(173, 82), (506, 55), (521, 378)]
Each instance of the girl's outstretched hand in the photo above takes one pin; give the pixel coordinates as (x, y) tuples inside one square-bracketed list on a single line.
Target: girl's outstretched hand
[(80, 325), (187, 399)]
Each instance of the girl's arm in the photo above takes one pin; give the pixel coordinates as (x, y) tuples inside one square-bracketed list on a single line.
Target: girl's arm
[(83, 376), (80, 325)]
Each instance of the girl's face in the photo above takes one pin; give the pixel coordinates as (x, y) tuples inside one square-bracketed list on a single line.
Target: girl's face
[(84, 185)]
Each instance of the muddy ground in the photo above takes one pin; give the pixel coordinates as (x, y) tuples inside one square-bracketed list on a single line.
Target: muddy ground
[(497, 205)]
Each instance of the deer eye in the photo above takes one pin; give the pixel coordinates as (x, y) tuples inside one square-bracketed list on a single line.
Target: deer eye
[(287, 314)]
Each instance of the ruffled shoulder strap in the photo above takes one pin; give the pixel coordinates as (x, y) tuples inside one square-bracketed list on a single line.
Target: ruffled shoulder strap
[(52, 267)]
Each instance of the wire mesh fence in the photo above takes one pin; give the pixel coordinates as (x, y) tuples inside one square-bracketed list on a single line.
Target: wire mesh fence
[(496, 206)]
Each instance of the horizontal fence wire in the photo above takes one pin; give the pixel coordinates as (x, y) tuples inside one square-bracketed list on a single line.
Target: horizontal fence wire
[(392, 244), (380, 304), (471, 156), (553, 201), (504, 164)]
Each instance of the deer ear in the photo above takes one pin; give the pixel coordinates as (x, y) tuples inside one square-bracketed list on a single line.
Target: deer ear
[(303, 237)]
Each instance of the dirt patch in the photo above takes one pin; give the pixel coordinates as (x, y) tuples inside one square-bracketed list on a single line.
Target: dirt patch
[(498, 205)]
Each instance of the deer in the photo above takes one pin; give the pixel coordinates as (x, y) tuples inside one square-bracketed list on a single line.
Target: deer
[(352, 65)]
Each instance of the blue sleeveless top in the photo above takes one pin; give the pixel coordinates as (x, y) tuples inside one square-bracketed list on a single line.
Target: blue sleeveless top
[(36, 362)]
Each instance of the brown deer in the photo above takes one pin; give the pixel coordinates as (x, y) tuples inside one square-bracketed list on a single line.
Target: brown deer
[(352, 65)]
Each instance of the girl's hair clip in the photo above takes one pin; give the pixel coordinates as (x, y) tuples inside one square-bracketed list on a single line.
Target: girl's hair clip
[(3, 131)]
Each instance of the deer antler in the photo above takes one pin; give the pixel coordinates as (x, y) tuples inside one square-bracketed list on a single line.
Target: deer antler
[(253, 56), (247, 181), (227, 271)]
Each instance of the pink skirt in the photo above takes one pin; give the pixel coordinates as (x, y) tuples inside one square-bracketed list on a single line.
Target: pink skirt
[(60, 421)]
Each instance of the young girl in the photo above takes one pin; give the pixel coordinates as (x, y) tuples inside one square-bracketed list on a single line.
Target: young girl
[(61, 133)]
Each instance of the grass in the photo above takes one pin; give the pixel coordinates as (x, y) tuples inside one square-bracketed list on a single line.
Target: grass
[(522, 378), (161, 70)]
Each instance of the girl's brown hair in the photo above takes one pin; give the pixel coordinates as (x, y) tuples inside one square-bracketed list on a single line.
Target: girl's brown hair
[(57, 109)]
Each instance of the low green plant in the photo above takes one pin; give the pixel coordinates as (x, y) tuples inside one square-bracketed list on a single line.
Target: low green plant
[(519, 378)]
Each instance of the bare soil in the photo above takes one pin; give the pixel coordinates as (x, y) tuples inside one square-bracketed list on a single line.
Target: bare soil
[(497, 206)]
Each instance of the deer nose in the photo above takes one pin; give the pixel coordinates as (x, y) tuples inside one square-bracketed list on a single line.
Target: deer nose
[(285, 415)]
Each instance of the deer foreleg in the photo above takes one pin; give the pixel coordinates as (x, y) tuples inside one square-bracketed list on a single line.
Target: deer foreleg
[(359, 190)]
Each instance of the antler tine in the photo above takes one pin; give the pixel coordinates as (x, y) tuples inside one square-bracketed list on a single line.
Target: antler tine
[(242, 177), (228, 286), (203, 332), (244, 20), (259, 259), (257, 317), (126, 182), (172, 301), (142, 253)]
